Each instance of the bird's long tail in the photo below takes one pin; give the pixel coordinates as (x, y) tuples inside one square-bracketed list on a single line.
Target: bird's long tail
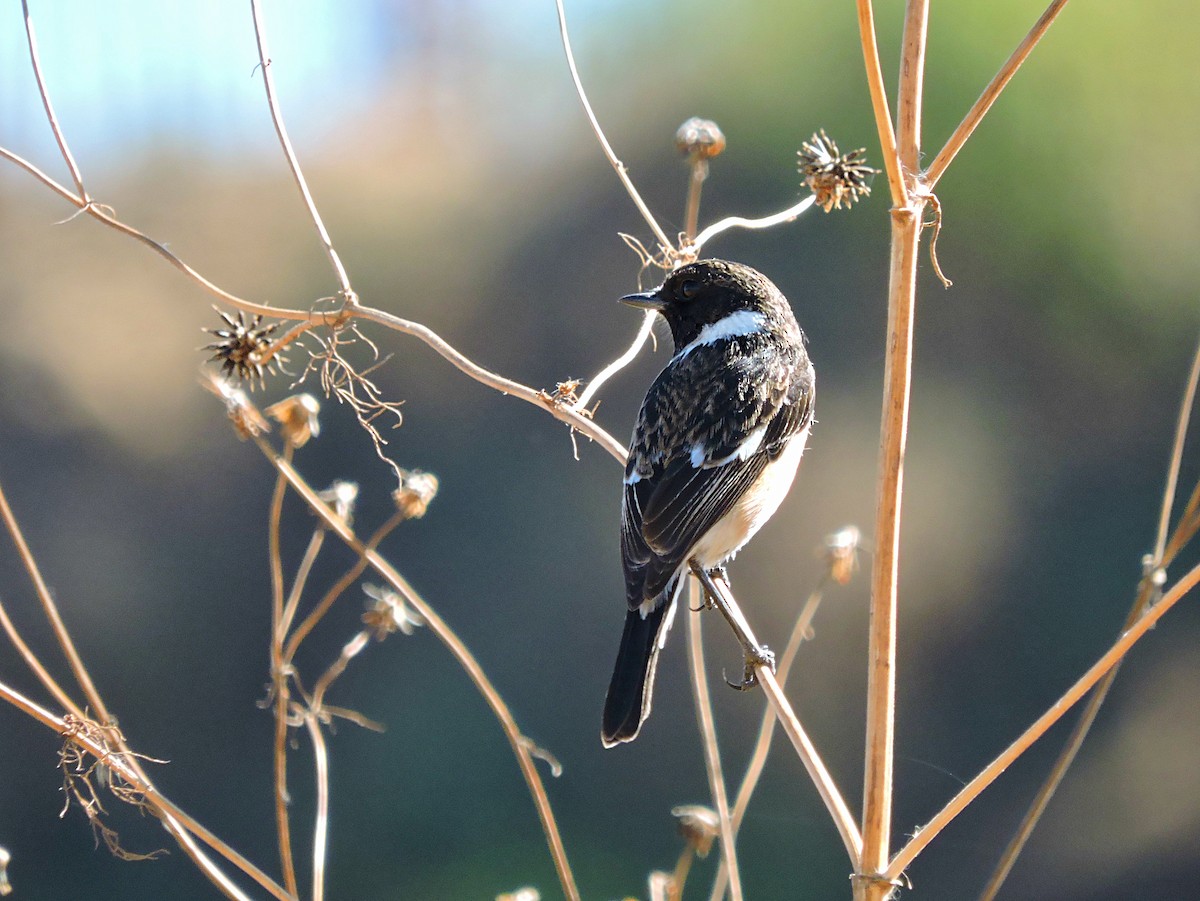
[(628, 702)]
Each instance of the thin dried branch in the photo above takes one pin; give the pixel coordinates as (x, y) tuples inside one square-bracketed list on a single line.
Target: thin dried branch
[(279, 684), (264, 59), (789, 215), (35, 62), (302, 572), (50, 609), (321, 818), (708, 740), (98, 212), (176, 820), (645, 330), (665, 243), (925, 834), (339, 588), (879, 103), (998, 83), (805, 750), (458, 650), (1148, 590)]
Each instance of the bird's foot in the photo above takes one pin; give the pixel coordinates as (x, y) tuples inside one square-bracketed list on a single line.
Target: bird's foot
[(756, 656)]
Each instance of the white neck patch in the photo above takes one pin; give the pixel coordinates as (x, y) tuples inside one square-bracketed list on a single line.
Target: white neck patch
[(742, 322)]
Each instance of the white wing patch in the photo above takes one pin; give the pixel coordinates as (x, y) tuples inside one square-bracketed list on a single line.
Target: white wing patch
[(744, 451), (742, 322)]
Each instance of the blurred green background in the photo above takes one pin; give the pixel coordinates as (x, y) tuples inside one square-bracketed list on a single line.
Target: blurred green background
[(463, 189)]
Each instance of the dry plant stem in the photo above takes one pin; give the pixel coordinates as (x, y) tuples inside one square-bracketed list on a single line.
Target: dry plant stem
[(35, 665), (879, 103), (639, 341), (78, 670), (976, 786), (789, 215), (338, 588), (312, 319), (881, 684), (94, 210), (173, 819), (708, 739), (562, 412), (162, 806), (460, 653), (766, 729), (279, 685), (998, 83), (35, 62), (659, 235), (264, 59), (321, 821), (1146, 592), (302, 573), (691, 212), (805, 750), (881, 654)]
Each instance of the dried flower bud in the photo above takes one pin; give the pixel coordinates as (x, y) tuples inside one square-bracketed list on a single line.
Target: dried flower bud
[(417, 489), (388, 613), (662, 886), (246, 419), (245, 349), (841, 553), (342, 496), (297, 418), (698, 825), (526, 893), (835, 177), (699, 139)]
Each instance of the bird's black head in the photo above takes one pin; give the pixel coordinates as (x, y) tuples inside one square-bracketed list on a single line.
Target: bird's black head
[(709, 291)]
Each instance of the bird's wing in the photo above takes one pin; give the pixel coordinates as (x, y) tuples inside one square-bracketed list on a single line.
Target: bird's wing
[(719, 435)]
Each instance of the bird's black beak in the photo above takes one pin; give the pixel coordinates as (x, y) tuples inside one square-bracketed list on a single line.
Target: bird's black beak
[(647, 300)]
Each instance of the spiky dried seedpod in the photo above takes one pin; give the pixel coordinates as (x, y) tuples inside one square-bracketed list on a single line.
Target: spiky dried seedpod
[(835, 177), (698, 825), (417, 489), (245, 349), (297, 418), (700, 138)]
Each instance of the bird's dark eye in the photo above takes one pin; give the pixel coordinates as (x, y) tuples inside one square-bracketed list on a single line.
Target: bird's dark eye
[(688, 289)]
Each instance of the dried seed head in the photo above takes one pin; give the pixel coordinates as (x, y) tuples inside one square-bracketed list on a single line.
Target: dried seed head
[(698, 825), (245, 349), (417, 489), (835, 177), (387, 613), (342, 496), (841, 553), (526, 893), (699, 139), (297, 418)]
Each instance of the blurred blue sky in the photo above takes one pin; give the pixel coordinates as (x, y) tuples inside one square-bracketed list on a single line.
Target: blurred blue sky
[(128, 73)]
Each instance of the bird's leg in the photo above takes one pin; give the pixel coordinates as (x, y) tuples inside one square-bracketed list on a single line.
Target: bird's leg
[(709, 597), (716, 587)]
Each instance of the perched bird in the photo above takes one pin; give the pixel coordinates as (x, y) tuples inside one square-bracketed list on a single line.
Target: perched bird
[(714, 451)]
